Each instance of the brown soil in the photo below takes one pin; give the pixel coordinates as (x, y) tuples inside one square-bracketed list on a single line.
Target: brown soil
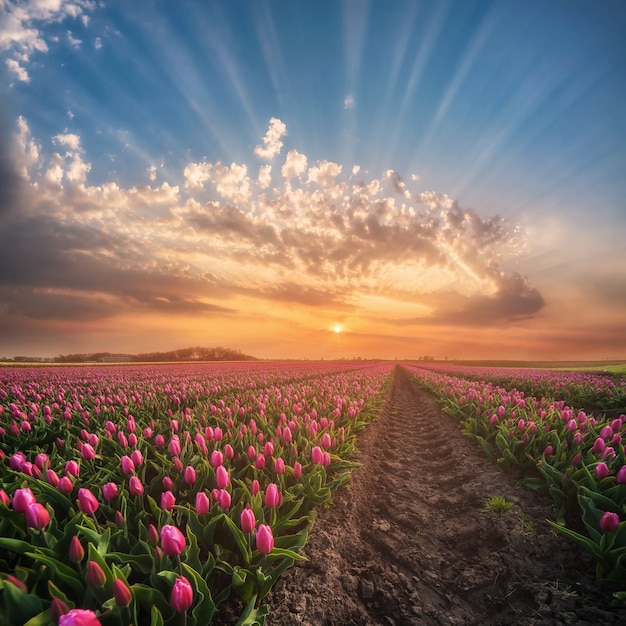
[(407, 543)]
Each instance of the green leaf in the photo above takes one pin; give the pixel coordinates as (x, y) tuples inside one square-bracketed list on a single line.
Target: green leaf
[(156, 619), (240, 539), (20, 605), (60, 573), (252, 616), (204, 608)]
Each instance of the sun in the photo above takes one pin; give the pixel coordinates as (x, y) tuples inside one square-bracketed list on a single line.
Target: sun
[(337, 328)]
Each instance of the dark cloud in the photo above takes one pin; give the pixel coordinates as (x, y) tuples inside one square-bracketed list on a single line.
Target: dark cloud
[(11, 183), (515, 299)]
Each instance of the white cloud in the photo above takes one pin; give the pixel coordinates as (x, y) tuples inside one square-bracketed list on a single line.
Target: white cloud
[(265, 176), (295, 164), (415, 177), (348, 102), (70, 140), (356, 169), (196, 174), (18, 70), (97, 44), (324, 174), (271, 141), (73, 40), (152, 172), (232, 182)]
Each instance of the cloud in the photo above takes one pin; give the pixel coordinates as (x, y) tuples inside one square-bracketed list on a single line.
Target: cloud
[(313, 238), (348, 102), (272, 143), (22, 23)]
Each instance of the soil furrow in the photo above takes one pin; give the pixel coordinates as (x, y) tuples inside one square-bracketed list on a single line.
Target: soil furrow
[(407, 543)]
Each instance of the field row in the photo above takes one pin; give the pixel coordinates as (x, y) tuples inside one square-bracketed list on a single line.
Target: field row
[(150, 495), (555, 446)]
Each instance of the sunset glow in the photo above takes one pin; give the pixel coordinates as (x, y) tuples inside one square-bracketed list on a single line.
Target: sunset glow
[(443, 178)]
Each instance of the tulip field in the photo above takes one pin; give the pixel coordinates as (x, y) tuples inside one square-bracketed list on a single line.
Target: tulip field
[(547, 426), (155, 494), (152, 494)]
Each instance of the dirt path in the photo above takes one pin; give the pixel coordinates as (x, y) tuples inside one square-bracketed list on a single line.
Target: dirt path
[(407, 543)]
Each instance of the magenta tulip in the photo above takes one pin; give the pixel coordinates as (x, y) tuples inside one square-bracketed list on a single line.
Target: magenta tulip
[(87, 452), (609, 522), (297, 470), (87, 502), (65, 485), (279, 466), (224, 499), (620, 478), (317, 455), (109, 491), (22, 499), (172, 540), (72, 468), (127, 465), (168, 483), (52, 478), (181, 597), (37, 516), (76, 552), (79, 617), (137, 458), (255, 487), (601, 471), (264, 539), (174, 445)]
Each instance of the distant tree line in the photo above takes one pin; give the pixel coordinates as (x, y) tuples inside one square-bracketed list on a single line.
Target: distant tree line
[(184, 354)]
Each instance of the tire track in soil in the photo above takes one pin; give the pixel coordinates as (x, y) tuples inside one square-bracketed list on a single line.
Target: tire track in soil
[(406, 544)]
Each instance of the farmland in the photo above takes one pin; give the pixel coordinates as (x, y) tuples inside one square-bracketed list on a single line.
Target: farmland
[(181, 494)]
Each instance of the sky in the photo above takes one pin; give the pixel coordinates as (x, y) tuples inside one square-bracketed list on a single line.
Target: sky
[(314, 179)]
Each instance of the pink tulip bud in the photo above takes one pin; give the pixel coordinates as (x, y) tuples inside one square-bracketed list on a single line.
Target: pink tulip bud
[(609, 522), (229, 453), (167, 500), (136, 458), (4, 498), (272, 496), (203, 504), (620, 478), (41, 461), (17, 582), (87, 452), (268, 449), (247, 521), (109, 491), (127, 465), (264, 539), (222, 477), (121, 592), (95, 574), (297, 470), (326, 442), (598, 446), (79, 617), (172, 540), (168, 483), (174, 445), (72, 468), (260, 462), (159, 441), (152, 535), (87, 502), (119, 519), (255, 487), (57, 609), (37, 516), (181, 597), (549, 451), (76, 552), (65, 485), (178, 465), (190, 475), (134, 486), (601, 471), (22, 499), (326, 460), (224, 499), (216, 459), (251, 452), (317, 455)]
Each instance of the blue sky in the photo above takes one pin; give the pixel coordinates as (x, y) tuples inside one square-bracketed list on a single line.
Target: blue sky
[(262, 174)]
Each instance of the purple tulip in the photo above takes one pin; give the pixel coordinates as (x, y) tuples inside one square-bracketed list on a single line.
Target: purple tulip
[(609, 522), (172, 540)]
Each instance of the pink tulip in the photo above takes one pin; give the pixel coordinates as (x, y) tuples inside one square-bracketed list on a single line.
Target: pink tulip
[(121, 593), (264, 539), (549, 451), (601, 471), (76, 551), (58, 608), (137, 458), (317, 455), (326, 442), (95, 574), (181, 597), (609, 522), (247, 520), (260, 462), (326, 460), (87, 452), (159, 441), (134, 486), (178, 465), (620, 478), (229, 453), (22, 499), (87, 502), (172, 540), (598, 446), (203, 504), (37, 516), (279, 466), (190, 475), (109, 491), (272, 496), (216, 459), (72, 468), (65, 485), (255, 487), (167, 500), (224, 499), (168, 483), (222, 477), (174, 445), (79, 617), (4, 498), (127, 465), (268, 449), (297, 470)]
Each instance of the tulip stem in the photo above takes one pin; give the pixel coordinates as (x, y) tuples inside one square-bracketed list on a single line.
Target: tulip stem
[(96, 522), (45, 538), (180, 569)]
